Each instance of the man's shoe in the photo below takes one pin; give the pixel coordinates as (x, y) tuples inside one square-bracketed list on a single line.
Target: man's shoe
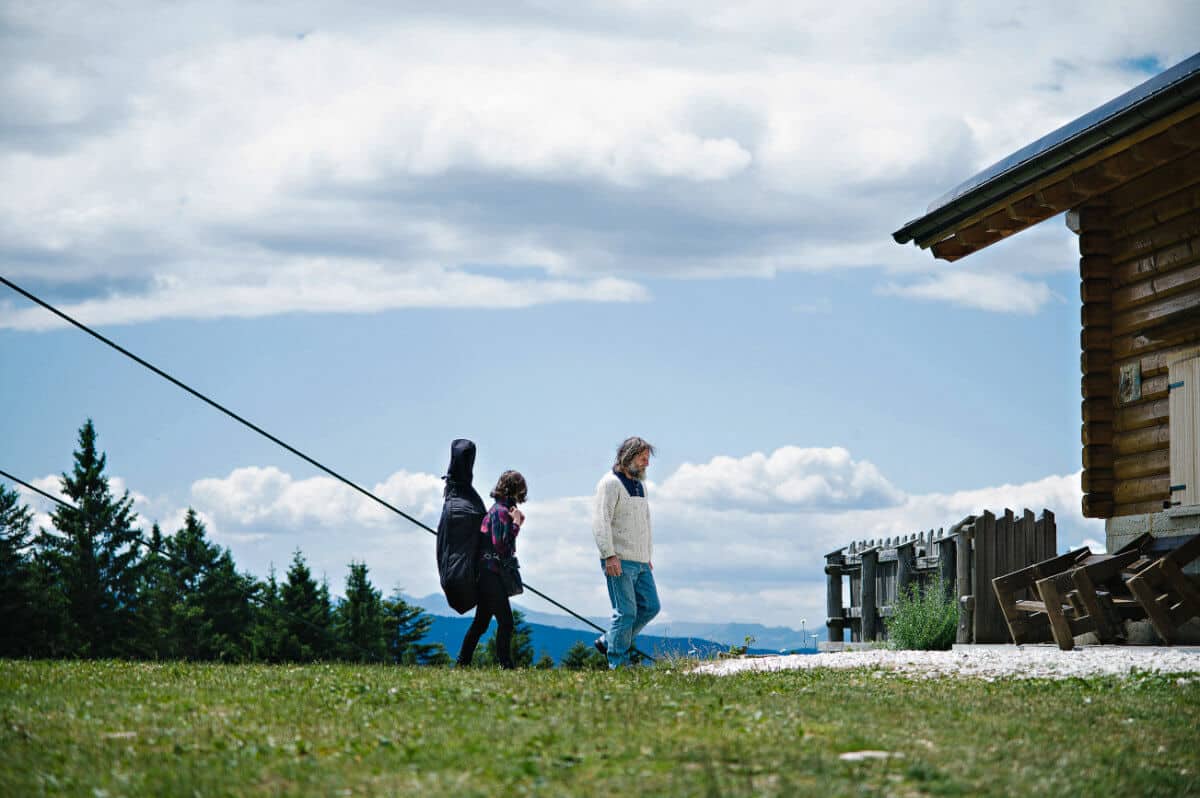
[(601, 646)]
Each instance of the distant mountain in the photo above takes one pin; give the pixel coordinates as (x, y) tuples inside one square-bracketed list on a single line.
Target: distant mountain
[(559, 632), (556, 642), (773, 638)]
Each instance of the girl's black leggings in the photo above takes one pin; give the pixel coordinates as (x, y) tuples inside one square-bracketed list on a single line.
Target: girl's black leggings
[(493, 603)]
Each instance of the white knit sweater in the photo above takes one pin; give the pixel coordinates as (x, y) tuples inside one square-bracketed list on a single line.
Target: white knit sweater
[(620, 522)]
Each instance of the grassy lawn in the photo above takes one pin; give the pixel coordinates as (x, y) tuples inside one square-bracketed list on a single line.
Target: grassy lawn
[(115, 728)]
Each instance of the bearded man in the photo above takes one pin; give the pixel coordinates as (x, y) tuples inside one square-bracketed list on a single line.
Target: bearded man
[(621, 526)]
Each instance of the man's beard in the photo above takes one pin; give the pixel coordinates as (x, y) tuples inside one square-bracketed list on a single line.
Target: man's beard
[(635, 472)]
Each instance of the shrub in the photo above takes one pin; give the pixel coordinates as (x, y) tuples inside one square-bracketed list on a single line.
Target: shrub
[(923, 620)]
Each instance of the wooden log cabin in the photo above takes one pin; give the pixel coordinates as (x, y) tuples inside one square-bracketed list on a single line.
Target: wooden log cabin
[(1127, 176)]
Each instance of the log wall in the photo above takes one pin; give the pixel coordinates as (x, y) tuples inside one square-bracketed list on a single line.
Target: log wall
[(1139, 269)]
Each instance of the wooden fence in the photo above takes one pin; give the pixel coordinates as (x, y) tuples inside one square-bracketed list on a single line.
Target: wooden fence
[(965, 559)]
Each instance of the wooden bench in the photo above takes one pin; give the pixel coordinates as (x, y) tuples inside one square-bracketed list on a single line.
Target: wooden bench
[(1081, 592), (1165, 592), (1027, 618)]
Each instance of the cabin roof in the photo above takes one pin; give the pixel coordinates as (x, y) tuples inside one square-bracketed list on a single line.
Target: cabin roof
[(1062, 168)]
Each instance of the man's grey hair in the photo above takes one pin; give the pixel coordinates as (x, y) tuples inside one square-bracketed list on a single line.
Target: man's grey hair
[(629, 449)]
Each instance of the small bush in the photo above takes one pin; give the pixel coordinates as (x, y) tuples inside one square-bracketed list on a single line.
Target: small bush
[(926, 622)]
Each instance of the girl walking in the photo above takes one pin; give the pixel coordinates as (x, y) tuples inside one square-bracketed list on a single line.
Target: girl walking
[(498, 574)]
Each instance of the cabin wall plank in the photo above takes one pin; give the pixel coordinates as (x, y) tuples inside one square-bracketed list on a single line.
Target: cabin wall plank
[(1152, 232)]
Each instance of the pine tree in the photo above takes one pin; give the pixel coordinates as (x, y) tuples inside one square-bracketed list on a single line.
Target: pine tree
[(584, 657), (406, 626), (154, 600), (545, 662), (269, 629), (18, 583), (188, 558), (94, 562), (522, 644), (225, 596), (307, 615), (359, 620)]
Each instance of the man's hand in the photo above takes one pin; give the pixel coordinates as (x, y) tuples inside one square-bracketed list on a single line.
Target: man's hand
[(612, 566), (517, 516)]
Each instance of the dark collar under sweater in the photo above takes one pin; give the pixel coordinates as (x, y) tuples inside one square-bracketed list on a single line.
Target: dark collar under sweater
[(633, 487)]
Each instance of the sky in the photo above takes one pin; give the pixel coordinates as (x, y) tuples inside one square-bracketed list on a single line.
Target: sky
[(546, 227)]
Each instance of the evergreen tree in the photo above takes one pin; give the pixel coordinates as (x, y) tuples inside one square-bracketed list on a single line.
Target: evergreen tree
[(359, 620), (406, 626), (269, 631), (584, 657), (155, 597), (545, 662), (307, 615), (93, 562), (225, 596), (522, 644), (18, 582), (189, 558)]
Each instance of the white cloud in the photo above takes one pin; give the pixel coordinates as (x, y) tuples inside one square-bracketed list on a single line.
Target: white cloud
[(1002, 293), (790, 478), (270, 498), (197, 168), (321, 286)]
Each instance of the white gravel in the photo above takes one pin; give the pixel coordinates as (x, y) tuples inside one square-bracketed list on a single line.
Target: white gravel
[(1021, 662)]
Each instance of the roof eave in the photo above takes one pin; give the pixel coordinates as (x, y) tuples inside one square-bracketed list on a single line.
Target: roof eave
[(943, 219)]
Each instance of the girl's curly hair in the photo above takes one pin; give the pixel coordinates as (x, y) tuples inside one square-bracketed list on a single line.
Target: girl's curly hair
[(511, 486)]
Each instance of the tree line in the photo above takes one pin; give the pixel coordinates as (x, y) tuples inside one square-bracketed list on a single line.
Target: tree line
[(94, 586)]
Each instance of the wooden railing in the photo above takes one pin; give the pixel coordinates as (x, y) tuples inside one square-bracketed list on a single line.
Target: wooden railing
[(965, 560)]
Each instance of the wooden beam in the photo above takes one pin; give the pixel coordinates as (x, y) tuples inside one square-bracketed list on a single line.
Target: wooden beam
[(1098, 457), (978, 236), (1097, 410), (1095, 290), (1093, 360), (1136, 508), (1093, 180), (1095, 267), (1144, 464), (1097, 505), (1095, 314), (1095, 338), (1096, 433), (1158, 211), (1163, 180), (1145, 489), (1162, 285), (1138, 416), (1177, 255), (1098, 480), (1182, 228), (951, 249), (1144, 439), (1182, 332), (1178, 306), (1096, 385)]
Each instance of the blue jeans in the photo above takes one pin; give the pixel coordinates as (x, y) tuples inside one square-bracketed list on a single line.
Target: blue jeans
[(634, 600)]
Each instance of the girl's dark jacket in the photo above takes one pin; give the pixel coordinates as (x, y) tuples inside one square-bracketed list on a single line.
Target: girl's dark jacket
[(458, 531)]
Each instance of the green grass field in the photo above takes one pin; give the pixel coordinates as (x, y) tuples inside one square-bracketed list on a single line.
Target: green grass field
[(115, 728)]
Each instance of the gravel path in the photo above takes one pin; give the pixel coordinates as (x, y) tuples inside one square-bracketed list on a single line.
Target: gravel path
[(1022, 662)]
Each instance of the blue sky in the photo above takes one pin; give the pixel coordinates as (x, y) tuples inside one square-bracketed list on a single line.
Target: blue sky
[(374, 232)]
